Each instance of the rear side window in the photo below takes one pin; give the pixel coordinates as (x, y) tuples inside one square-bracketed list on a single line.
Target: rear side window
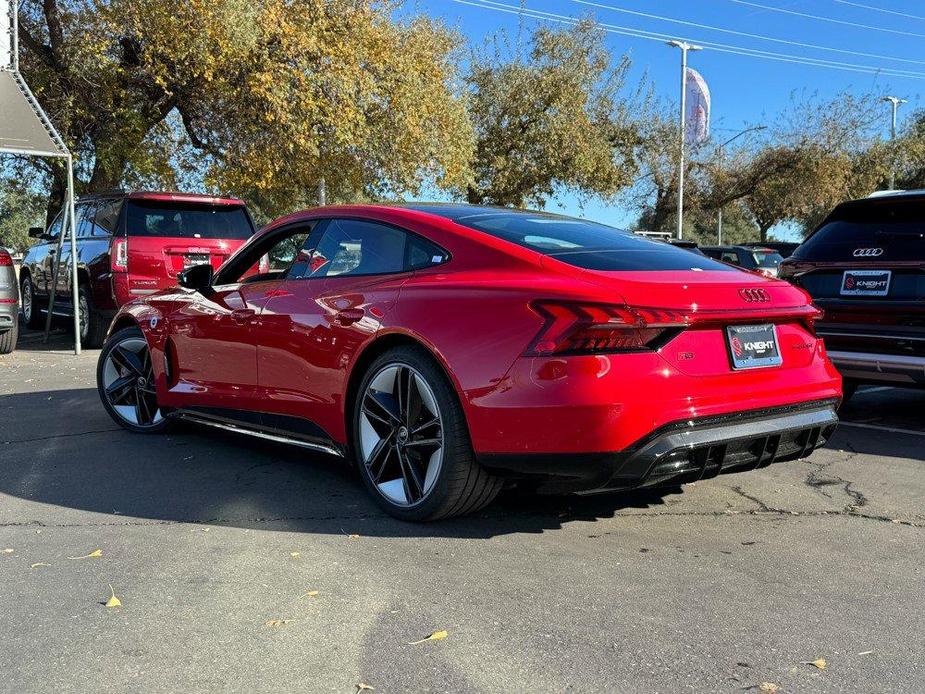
[(766, 258), (585, 244), (107, 217), (877, 230), (187, 220), (85, 213)]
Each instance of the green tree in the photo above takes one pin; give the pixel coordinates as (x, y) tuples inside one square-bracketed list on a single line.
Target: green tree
[(266, 98), (548, 119), (19, 210)]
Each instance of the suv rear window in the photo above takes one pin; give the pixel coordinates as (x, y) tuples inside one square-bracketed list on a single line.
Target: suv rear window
[(585, 244), (767, 258), (187, 220), (896, 226)]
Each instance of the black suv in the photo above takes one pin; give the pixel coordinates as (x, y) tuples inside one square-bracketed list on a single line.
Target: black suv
[(865, 267)]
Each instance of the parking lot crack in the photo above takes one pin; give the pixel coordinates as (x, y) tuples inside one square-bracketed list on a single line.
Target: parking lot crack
[(63, 436), (822, 477)]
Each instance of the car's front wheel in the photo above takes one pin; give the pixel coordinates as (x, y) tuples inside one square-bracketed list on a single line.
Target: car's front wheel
[(125, 380), (411, 442)]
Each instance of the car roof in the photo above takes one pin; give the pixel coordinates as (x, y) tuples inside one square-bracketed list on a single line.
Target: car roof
[(164, 196), (456, 213)]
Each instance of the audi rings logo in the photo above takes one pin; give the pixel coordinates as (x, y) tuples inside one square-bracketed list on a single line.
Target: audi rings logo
[(867, 252), (753, 295)]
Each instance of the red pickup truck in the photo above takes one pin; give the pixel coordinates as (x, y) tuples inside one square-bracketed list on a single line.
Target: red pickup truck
[(128, 245)]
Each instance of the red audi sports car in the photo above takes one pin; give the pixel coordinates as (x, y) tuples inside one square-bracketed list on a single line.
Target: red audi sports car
[(449, 350)]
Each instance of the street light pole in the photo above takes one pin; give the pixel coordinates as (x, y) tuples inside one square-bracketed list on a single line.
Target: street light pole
[(722, 159), (894, 102), (685, 47)]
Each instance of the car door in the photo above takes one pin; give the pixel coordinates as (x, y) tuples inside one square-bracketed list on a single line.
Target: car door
[(46, 256), (84, 212), (312, 327), (214, 335)]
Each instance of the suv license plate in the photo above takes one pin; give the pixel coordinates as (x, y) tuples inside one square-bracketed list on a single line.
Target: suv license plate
[(195, 259), (866, 282), (753, 346)]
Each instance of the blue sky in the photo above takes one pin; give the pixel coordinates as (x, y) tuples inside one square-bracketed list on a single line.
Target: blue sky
[(745, 89)]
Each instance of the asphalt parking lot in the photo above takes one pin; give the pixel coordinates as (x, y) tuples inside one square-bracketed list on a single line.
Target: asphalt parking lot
[(215, 545)]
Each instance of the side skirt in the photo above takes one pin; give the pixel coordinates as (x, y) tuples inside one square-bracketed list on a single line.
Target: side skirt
[(250, 424)]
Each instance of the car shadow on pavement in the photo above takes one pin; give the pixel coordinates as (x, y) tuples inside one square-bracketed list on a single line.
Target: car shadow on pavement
[(63, 458)]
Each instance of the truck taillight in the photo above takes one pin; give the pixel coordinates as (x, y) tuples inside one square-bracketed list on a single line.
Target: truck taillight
[(5, 259), (119, 255), (573, 329)]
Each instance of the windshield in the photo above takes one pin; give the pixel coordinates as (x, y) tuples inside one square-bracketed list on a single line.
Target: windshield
[(767, 258), (581, 243), (187, 220)]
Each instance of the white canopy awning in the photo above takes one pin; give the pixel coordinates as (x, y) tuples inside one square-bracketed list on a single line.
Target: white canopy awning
[(23, 129)]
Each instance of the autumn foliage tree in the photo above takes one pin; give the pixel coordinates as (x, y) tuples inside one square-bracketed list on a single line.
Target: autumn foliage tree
[(262, 98), (548, 117)]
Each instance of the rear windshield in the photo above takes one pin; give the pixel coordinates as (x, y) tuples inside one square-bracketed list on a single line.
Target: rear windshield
[(767, 258), (885, 230), (586, 244), (187, 220)]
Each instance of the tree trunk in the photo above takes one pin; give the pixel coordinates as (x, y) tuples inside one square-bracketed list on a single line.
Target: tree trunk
[(763, 230), (58, 191)]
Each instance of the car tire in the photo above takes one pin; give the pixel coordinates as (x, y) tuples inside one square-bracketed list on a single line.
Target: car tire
[(434, 462), (848, 387), (8, 339), (92, 325), (31, 316), (125, 382)]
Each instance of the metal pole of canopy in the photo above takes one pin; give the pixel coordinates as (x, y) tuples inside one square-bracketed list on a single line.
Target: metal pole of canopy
[(56, 270), (75, 295), (68, 227)]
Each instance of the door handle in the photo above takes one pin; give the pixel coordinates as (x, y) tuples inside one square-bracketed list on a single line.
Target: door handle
[(242, 315), (350, 315)]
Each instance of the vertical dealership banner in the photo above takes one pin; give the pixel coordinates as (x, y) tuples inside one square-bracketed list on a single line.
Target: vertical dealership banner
[(697, 115)]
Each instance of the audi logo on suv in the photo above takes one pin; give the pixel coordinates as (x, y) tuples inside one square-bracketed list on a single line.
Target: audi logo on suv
[(754, 295), (867, 252)]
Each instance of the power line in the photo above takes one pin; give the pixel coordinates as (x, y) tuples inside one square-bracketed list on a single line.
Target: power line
[(746, 34), (880, 9), (826, 19), (718, 47)]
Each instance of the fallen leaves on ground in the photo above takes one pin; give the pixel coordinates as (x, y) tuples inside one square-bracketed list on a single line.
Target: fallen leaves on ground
[(768, 688), (277, 622), (309, 593), (95, 554), (362, 686), (295, 555), (38, 564), (8, 550), (819, 663), (354, 536), (436, 636), (113, 600)]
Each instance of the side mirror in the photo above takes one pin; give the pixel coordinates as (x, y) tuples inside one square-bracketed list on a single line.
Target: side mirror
[(197, 278), (36, 232)]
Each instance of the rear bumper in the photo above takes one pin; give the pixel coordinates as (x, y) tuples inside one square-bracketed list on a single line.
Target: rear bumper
[(880, 368), (681, 452)]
